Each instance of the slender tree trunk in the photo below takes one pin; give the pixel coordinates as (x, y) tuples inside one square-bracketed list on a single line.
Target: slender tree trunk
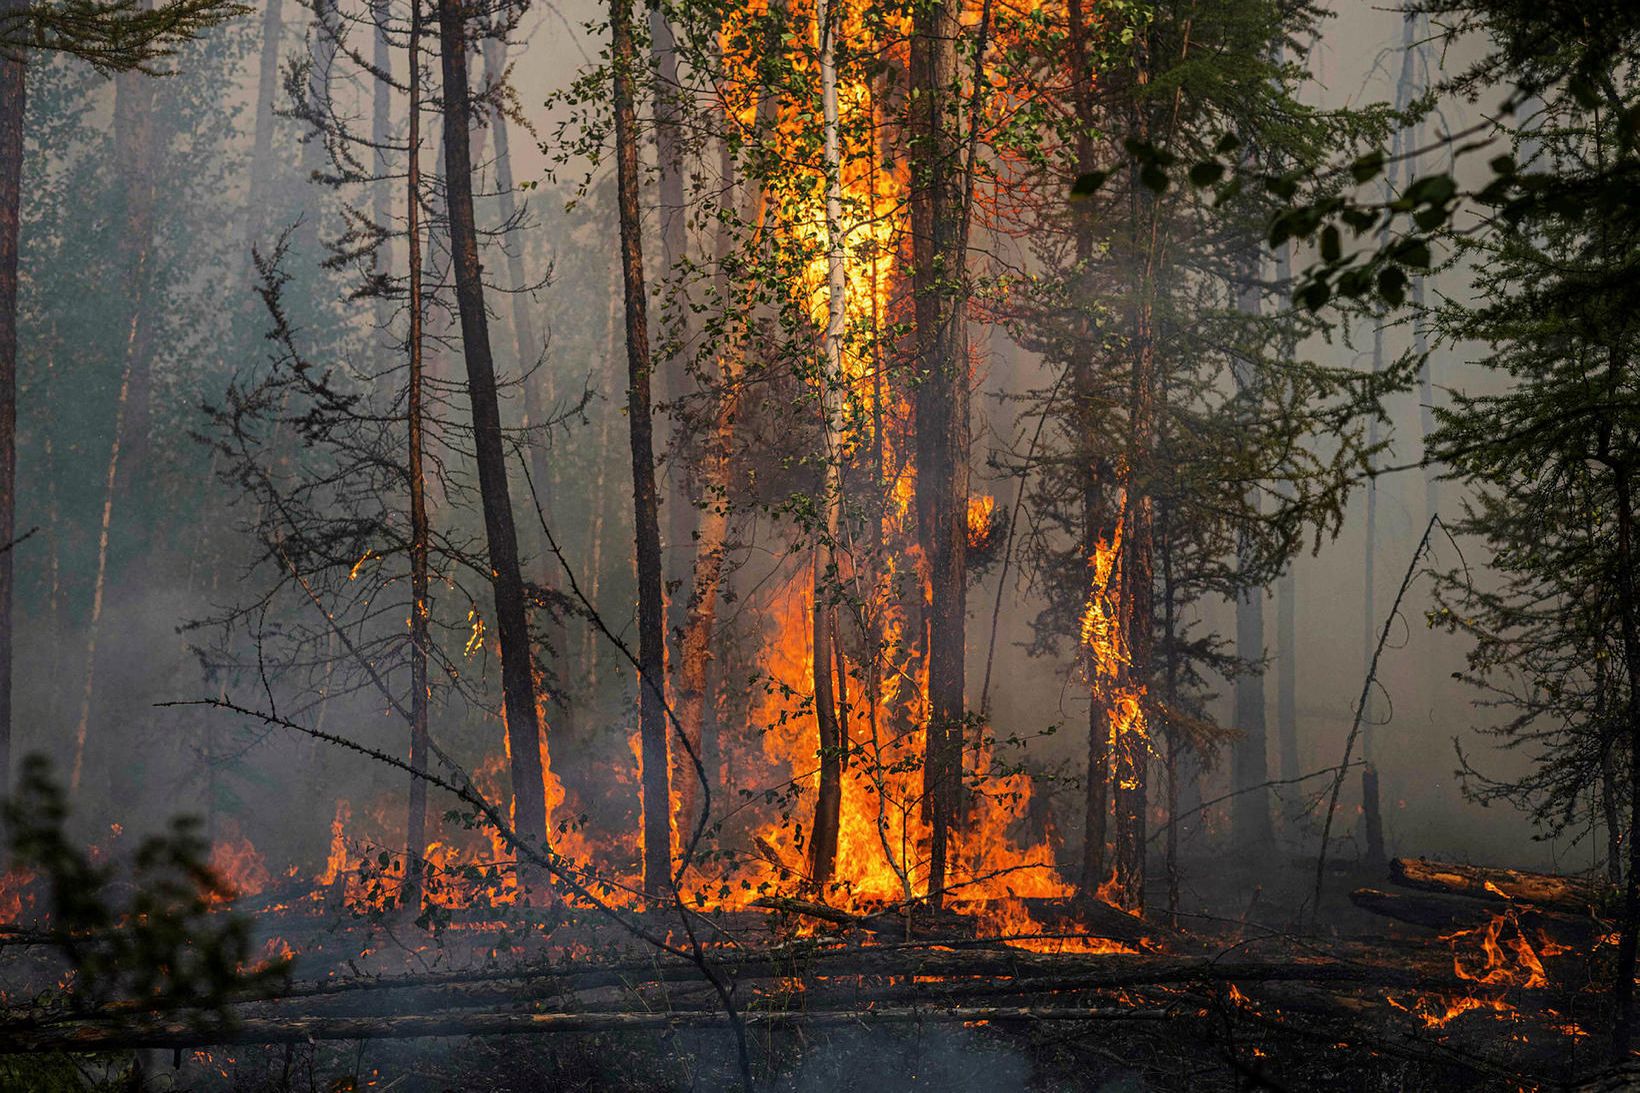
[(657, 805), (1249, 756), (941, 408), (536, 382), (415, 851), (833, 737), (1096, 785), (1287, 674), (669, 370), (1136, 603), (527, 743), (267, 85), (1629, 609), (695, 647), (381, 114), (134, 149), (12, 98)]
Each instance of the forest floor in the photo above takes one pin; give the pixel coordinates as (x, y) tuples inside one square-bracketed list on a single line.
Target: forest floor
[(1246, 993)]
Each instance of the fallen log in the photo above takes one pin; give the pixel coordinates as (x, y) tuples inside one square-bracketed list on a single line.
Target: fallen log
[(1444, 912), (92, 1036), (1551, 890), (1088, 918)]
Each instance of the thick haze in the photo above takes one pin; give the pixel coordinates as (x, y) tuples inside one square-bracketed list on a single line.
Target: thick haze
[(1425, 813)]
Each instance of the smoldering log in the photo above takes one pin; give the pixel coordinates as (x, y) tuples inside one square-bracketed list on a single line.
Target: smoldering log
[(91, 1036), (1442, 911), (1551, 890)]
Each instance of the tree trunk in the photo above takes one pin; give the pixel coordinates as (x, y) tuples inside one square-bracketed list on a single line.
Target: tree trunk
[(1096, 786), (1132, 744), (12, 98), (833, 736), (941, 409), (267, 84), (134, 147), (657, 805), (669, 371), (695, 647), (1628, 608), (536, 383), (1250, 755), (381, 110), (526, 742), (415, 849)]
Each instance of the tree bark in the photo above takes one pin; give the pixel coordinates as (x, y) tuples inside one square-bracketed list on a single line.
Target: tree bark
[(1552, 890), (657, 805), (674, 234), (833, 737), (12, 102), (941, 409), (526, 742), (1250, 828), (1628, 609), (415, 850), (381, 110), (1096, 786)]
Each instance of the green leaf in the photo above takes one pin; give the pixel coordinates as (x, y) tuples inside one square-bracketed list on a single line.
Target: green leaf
[(1331, 247), (1087, 185), (1284, 187), (1227, 144), (1368, 167), (1206, 173), (1314, 295), (1392, 286), (1413, 253), (1153, 177), (1432, 190)]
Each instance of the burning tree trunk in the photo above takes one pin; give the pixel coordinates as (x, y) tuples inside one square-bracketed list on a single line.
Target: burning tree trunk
[(1094, 512), (526, 742), (415, 848), (657, 805), (832, 730), (12, 94), (1132, 744), (941, 408)]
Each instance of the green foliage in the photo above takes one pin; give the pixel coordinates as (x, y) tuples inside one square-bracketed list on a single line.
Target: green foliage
[(158, 936), (112, 35), (1551, 458)]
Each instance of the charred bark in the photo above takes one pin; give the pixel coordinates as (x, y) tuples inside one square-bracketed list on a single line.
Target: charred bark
[(1551, 890), (657, 805), (941, 409), (415, 844), (13, 91), (526, 742)]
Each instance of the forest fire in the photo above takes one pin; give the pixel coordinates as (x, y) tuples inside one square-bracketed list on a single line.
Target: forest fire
[(818, 544)]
